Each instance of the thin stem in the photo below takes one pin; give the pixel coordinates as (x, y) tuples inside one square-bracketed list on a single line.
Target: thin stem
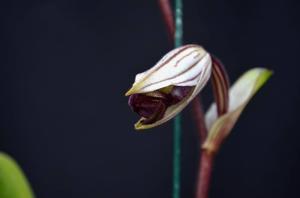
[(168, 18), (178, 23), (204, 175), (199, 119), (177, 121), (206, 159), (176, 156)]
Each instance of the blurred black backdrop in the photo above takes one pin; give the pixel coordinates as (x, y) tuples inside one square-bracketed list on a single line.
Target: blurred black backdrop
[(65, 66)]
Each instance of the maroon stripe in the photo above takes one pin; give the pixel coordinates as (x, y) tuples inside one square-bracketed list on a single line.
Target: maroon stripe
[(170, 58), (215, 91), (222, 71), (197, 75), (176, 64), (186, 70), (220, 86), (194, 77), (218, 95), (223, 81), (220, 79), (220, 91), (197, 55)]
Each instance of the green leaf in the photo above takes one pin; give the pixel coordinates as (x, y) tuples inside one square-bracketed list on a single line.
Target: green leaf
[(13, 183), (239, 96)]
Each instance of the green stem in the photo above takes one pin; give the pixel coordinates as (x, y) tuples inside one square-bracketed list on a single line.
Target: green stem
[(176, 157), (178, 23), (177, 121)]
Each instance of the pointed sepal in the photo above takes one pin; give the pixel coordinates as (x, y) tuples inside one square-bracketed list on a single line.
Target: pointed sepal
[(239, 96)]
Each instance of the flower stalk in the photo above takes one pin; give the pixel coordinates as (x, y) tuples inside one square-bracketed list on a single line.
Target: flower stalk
[(199, 119), (204, 174), (167, 13)]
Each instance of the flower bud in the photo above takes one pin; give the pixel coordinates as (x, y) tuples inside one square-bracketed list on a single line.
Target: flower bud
[(161, 92)]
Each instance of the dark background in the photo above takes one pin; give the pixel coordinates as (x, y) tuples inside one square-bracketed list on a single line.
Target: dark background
[(65, 66)]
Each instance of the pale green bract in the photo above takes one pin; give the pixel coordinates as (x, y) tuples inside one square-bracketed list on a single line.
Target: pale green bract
[(13, 183), (239, 95)]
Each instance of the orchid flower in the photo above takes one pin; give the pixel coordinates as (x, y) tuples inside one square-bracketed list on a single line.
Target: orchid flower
[(161, 92)]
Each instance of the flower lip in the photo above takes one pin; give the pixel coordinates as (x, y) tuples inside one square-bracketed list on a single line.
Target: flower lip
[(152, 106)]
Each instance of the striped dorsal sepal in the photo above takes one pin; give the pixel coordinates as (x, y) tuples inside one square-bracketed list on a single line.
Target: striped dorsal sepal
[(220, 84)]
